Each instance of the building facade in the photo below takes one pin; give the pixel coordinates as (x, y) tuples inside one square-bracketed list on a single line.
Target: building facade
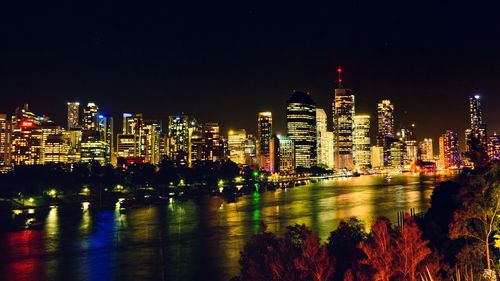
[(301, 128)]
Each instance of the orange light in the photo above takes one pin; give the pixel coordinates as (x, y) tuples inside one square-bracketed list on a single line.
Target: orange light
[(27, 124)]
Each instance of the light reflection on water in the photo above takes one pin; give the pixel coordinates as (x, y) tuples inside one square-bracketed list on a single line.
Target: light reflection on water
[(197, 239)]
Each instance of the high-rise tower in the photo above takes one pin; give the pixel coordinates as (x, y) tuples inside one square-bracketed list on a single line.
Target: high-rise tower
[(73, 115), (343, 114), (264, 132), (301, 126)]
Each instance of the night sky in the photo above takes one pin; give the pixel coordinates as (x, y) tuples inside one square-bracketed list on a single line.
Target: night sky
[(225, 61)]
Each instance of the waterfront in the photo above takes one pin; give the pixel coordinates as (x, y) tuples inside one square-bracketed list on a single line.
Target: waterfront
[(197, 239)]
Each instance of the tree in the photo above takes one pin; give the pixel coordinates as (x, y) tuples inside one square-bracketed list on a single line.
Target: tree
[(343, 245), (478, 218), (411, 250), (312, 261), (297, 256), (379, 250)]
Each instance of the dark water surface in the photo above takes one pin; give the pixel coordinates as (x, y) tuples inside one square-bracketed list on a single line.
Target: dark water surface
[(195, 240)]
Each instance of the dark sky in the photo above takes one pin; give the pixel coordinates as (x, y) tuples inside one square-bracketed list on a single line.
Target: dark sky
[(224, 61)]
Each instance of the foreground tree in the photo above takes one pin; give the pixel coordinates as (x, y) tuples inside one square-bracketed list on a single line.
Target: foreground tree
[(343, 246), (298, 256), (379, 250), (478, 218), (411, 251)]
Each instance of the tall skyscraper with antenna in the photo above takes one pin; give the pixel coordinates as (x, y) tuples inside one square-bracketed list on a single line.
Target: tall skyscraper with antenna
[(476, 135), (343, 114)]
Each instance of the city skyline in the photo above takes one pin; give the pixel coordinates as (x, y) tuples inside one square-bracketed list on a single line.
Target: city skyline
[(224, 129)]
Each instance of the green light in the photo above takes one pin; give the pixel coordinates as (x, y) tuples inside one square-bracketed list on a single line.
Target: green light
[(255, 174)]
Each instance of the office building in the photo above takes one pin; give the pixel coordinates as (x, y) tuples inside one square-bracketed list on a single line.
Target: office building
[(494, 147), (264, 132), (236, 141), (343, 126), (73, 115), (90, 117), (426, 150), (361, 142), (449, 154), (301, 127), (385, 129)]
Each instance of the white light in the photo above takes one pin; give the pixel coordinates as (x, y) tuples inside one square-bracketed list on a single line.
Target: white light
[(476, 96)]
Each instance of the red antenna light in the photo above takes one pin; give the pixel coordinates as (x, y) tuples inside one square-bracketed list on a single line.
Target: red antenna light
[(339, 70)]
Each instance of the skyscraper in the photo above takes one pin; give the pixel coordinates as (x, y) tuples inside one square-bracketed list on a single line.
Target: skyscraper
[(27, 138), (90, 113), (282, 152), (321, 120), (325, 140), (301, 126), (4, 141), (343, 113), (494, 147), (180, 129), (151, 132), (361, 142), (426, 150), (73, 115), (476, 135), (250, 150), (236, 140), (449, 153), (264, 132), (385, 130), (213, 144)]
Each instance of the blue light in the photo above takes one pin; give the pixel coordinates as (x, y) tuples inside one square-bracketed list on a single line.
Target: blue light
[(101, 117)]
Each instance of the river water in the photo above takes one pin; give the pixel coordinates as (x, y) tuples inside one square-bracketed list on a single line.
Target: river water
[(197, 239)]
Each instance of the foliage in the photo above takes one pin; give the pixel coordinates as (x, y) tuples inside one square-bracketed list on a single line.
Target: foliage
[(297, 256)]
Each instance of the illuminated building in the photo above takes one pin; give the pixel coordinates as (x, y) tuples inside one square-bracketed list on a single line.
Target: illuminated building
[(73, 115), (477, 131), (132, 123), (449, 153), (106, 134), (213, 144), (250, 150), (4, 141), (361, 142), (426, 150), (236, 140), (282, 155), (180, 129), (56, 148), (377, 157), (274, 154), (286, 155), (385, 130), (494, 147), (27, 138), (326, 149), (94, 150), (301, 127), (90, 115), (321, 120), (325, 140), (264, 131), (396, 152), (151, 138), (343, 113), (75, 138), (127, 146)]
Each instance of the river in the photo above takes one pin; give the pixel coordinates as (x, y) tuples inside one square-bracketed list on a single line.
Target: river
[(197, 239)]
